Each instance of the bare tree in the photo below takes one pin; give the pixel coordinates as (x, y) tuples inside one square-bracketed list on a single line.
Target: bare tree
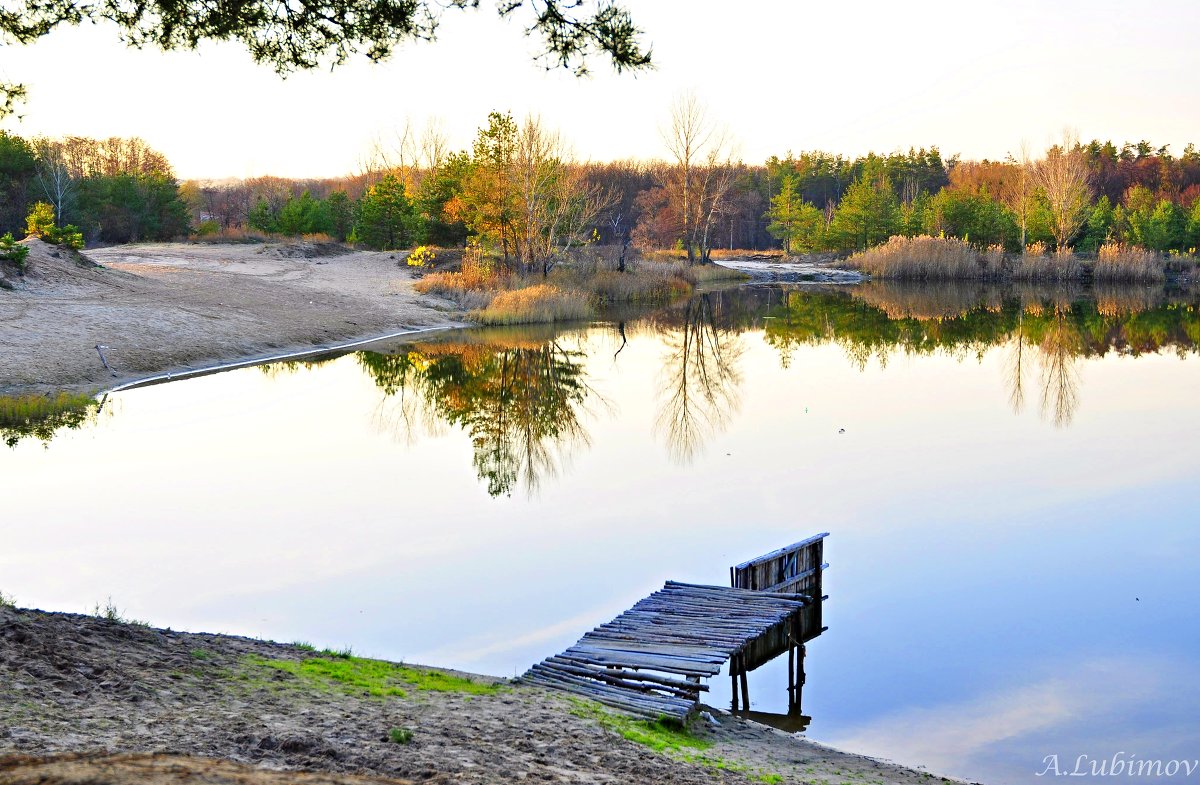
[(1060, 381), (701, 381), (1064, 177), (54, 176), (1016, 191), (557, 203), (433, 146), (700, 177)]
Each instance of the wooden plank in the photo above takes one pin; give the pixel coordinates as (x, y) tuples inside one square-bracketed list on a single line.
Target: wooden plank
[(638, 675), (664, 703), (630, 682), (781, 551), (797, 578), (632, 660)]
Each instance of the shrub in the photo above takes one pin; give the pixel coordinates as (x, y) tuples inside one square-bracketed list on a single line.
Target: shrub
[(422, 256), (68, 237), (12, 251), (40, 223), (207, 228), (1128, 264), (40, 220), (535, 304)]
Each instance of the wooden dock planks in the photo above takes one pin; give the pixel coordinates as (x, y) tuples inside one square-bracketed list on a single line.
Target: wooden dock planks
[(649, 660)]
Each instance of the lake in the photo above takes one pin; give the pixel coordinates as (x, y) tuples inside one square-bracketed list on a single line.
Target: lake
[(1007, 476)]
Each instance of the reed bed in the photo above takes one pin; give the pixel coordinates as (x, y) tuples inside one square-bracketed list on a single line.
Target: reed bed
[(534, 304), (1036, 264), (923, 258), (647, 284), (1117, 263), (571, 292)]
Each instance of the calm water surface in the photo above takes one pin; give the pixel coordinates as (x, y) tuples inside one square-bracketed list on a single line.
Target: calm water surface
[(1009, 480)]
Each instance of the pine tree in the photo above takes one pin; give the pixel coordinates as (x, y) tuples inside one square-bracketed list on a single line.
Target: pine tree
[(387, 219)]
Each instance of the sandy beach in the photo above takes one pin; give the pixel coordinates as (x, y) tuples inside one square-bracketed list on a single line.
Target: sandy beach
[(116, 697), (179, 306)]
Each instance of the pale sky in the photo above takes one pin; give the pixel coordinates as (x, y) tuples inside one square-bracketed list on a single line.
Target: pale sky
[(851, 76)]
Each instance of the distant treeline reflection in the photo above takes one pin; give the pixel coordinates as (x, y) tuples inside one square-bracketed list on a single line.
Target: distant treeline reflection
[(41, 416), (523, 395), (876, 320)]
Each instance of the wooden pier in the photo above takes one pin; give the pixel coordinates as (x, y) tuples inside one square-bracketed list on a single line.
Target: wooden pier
[(650, 660)]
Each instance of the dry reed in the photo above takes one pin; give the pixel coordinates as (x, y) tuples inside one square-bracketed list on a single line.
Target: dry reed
[(534, 304), (923, 258), (1117, 263), (1035, 266)]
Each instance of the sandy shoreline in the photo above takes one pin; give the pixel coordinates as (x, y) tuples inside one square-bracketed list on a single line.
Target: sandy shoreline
[(174, 308), (72, 684)]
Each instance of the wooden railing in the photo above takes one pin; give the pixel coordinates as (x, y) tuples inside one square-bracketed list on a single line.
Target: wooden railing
[(795, 569)]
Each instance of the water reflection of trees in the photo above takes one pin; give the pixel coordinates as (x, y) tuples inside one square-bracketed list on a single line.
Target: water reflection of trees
[(41, 417), (521, 402), (1050, 328), (700, 377)]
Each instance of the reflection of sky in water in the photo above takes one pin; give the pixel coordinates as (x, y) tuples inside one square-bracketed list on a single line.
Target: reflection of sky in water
[(985, 563)]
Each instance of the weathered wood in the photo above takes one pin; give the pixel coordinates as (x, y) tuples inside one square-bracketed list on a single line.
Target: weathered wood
[(635, 661), (686, 683)]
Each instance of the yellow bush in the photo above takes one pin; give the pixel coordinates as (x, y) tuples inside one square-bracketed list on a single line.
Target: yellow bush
[(422, 256)]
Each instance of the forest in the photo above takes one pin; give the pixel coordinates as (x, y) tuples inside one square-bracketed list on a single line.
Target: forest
[(522, 192)]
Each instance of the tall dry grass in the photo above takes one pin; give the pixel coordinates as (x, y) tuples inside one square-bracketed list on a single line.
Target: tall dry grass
[(542, 303), (648, 283), (231, 235), (494, 296), (1117, 263), (1036, 264), (923, 258)]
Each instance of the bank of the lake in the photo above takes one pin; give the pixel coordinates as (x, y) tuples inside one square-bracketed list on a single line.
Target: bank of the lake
[(176, 307), (83, 684)]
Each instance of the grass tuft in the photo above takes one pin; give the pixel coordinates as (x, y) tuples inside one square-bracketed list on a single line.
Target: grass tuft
[(400, 735), (110, 612), (7, 601)]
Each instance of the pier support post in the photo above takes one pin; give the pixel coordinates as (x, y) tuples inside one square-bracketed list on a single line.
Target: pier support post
[(798, 690), (745, 684)]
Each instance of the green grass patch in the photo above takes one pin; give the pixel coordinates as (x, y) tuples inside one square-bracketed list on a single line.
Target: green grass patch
[(662, 735), (201, 654), (400, 735), (666, 736), (356, 675)]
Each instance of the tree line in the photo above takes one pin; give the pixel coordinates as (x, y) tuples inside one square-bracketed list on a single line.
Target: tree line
[(520, 191), (115, 190)]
